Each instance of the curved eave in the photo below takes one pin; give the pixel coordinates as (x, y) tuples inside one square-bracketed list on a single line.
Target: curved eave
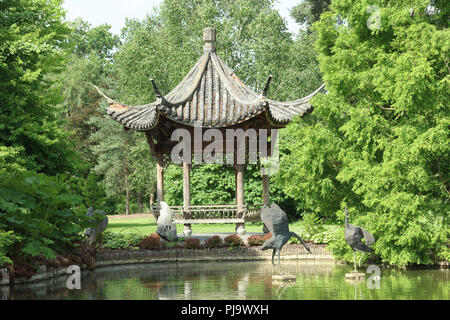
[(139, 118), (281, 113)]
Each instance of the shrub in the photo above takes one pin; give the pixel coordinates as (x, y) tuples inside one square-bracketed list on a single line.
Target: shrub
[(7, 239), (255, 240), (313, 224), (43, 212), (113, 240), (233, 240), (191, 243), (134, 238), (267, 236), (213, 242), (151, 242)]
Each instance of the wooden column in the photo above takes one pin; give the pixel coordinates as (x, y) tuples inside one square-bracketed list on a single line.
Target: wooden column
[(265, 196), (240, 227), (187, 197), (265, 183), (265, 190), (159, 177)]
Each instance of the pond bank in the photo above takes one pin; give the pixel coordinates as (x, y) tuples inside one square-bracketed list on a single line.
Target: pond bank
[(107, 257), (175, 255)]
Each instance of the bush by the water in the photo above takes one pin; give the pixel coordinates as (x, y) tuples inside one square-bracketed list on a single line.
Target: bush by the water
[(213, 242), (112, 240), (41, 213), (192, 243), (257, 240), (151, 242), (233, 240)]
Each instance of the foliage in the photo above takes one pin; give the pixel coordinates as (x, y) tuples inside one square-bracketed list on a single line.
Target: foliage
[(93, 192), (111, 145), (88, 41), (113, 240), (378, 141), (89, 61), (169, 42), (32, 34), (11, 160), (42, 212), (255, 240), (134, 238), (312, 223), (233, 240), (7, 239), (308, 11), (143, 170), (151, 242), (192, 243), (325, 235), (213, 242), (215, 183)]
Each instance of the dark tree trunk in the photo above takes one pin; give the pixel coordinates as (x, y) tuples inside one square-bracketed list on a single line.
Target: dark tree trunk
[(127, 201), (125, 171), (140, 204)]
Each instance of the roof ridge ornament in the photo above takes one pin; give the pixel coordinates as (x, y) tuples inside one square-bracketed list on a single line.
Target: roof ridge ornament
[(156, 89), (108, 99), (266, 87), (209, 37), (160, 97)]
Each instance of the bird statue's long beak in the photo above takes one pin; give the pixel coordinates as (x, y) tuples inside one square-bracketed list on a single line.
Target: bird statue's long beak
[(309, 250)]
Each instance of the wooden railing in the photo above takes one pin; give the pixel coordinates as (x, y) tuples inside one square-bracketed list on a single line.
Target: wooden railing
[(214, 213)]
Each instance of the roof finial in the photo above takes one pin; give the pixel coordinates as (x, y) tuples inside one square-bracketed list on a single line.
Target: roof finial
[(266, 87), (209, 37), (155, 88)]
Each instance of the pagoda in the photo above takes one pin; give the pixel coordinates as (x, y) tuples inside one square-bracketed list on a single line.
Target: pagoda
[(211, 96)]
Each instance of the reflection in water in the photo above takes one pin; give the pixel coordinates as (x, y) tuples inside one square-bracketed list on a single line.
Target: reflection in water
[(236, 280), (357, 283)]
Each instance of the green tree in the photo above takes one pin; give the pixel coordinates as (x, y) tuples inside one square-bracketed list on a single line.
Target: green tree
[(31, 37), (169, 42), (380, 138), (111, 145), (88, 61), (87, 41), (40, 205), (143, 175), (308, 11)]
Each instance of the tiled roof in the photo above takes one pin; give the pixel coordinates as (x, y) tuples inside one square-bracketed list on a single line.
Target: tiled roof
[(210, 95)]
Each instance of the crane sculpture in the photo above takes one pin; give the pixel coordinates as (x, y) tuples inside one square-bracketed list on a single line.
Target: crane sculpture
[(353, 236), (277, 222)]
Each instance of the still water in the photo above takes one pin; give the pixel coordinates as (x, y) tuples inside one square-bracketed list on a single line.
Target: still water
[(239, 280)]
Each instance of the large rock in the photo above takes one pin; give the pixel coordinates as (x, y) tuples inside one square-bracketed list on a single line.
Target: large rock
[(94, 234), (167, 229)]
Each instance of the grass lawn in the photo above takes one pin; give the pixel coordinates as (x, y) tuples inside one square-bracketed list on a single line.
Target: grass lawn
[(148, 226)]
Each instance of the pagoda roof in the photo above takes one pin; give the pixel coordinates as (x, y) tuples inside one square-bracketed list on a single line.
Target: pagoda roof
[(211, 95)]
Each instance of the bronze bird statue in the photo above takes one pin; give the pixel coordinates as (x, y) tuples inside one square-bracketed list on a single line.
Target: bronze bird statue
[(354, 235), (277, 222)]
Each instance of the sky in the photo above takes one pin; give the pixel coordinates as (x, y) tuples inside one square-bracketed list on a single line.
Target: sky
[(114, 12)]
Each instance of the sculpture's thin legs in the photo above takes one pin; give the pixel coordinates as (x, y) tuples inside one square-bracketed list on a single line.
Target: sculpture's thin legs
[(354, 259), (279, 251), (273, 256), (361, 259)]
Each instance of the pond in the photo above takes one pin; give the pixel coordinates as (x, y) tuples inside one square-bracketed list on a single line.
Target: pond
[(238, 280)]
